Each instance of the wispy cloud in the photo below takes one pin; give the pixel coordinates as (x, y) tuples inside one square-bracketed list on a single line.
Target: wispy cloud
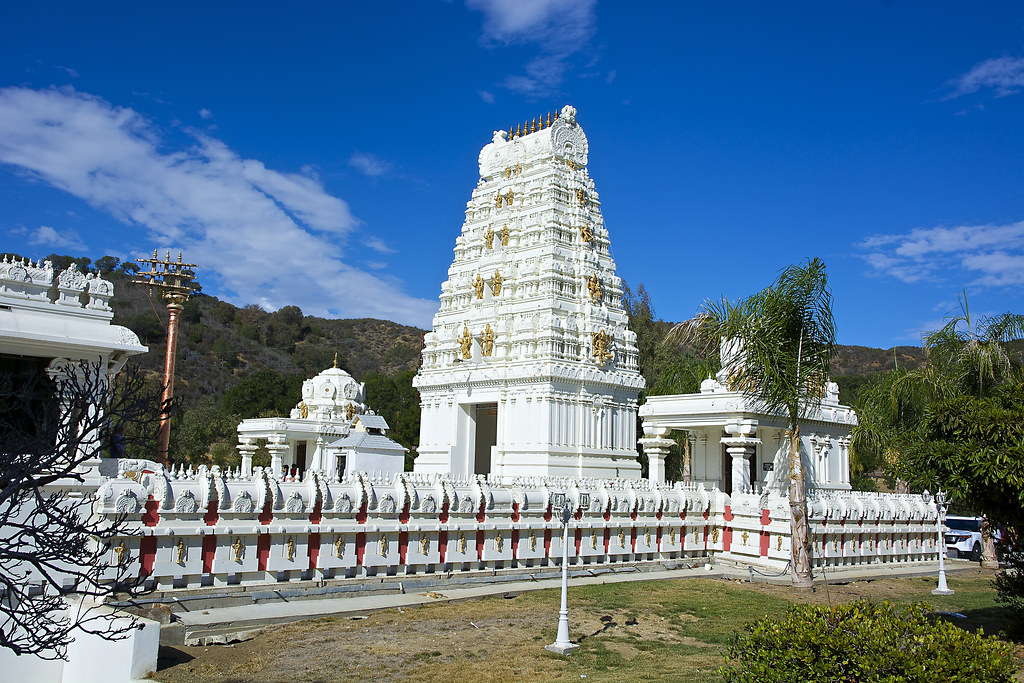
[(559, 29), (992, 254), (486, 96), (205, 114), (378, 245), (1003, 75), (369, 165), (46, 236), (259, 235)]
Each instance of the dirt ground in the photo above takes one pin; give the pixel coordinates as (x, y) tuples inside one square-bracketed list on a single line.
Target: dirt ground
[(664, 630)]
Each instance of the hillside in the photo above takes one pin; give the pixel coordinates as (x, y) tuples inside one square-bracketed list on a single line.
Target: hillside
[(219, 344)]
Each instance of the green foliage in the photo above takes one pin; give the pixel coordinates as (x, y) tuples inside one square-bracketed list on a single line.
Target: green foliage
[(864, 641), (106, 264), (263, 392), (1009, 582), (788, 339), (974, 448), (397, 401), (197, 429)]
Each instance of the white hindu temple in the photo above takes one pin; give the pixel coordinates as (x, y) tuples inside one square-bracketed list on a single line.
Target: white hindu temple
[(528, 389), (737, 446), (330, 430), (530, 368)]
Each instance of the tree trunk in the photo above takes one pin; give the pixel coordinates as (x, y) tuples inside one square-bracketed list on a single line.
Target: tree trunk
[(989, 560), (800, 541)]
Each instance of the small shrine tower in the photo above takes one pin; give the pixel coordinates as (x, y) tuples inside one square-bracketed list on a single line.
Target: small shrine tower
[(530, 368)]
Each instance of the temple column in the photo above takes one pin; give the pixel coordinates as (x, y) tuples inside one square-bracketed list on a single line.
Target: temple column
[(741, 444), (656, 446), (276, 447), (247, 447)]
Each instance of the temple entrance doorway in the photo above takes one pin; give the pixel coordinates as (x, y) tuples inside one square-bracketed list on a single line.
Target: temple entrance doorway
[(486, 419)]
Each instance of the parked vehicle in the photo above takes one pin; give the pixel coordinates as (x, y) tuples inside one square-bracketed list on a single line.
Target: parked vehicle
[(963, 537)]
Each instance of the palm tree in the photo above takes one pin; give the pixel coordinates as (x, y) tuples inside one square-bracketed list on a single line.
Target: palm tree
[(782, 341), (970, 352), (974, 356)]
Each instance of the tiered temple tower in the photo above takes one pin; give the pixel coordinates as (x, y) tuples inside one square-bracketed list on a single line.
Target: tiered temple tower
[(530, 368)]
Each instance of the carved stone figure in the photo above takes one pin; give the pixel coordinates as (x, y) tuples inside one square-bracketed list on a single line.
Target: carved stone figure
[(601, 344), (594, 287), (586, 232), (487, 343), (466, 344)]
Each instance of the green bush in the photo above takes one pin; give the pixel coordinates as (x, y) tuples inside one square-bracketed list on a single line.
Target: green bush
[(863, 641), (1009, 582)]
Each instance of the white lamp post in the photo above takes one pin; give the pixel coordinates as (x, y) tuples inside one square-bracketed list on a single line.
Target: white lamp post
[(562, 644), (940, 514)]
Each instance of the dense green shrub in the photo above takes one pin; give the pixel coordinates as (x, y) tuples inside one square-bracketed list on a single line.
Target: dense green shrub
[(863, 641), (1009, 582)]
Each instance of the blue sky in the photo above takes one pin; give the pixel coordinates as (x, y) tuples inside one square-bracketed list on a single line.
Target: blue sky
[(321, 155)]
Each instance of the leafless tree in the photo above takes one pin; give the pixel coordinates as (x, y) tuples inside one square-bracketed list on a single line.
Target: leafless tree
[(56, 557)]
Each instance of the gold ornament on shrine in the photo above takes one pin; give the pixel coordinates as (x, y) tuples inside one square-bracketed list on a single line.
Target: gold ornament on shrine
[(478, 285), (586, 233), (496, 283), (487, 341), (714, 535), (509, 196), (601, 343), (489, 238), (533, 541), (498, 199), (581, 195), (339, 545), (180, 548), (499, 542), (122, 553), (350, 411), (594, 287), (239, 548), (462, 544), (424, 544), (383, 545), (289, 548), (466, 343), (504, 235)]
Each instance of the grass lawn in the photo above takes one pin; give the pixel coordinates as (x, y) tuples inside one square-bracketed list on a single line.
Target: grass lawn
[(638, 631)]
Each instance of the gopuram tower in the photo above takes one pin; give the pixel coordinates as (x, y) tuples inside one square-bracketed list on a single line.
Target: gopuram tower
[(530, 368)]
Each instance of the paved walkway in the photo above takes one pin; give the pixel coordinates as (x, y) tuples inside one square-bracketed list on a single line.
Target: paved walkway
[(227, 624)]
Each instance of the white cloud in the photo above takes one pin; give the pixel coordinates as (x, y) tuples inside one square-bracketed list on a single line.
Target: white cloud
[(992, 254), (559, 28), (48, 237), (205, 114), (1004, 75), (377, 244), (257, 234), (369, 165), (486, 96)]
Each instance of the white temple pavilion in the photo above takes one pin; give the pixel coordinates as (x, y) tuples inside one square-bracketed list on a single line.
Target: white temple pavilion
[(737, 446), (330, 430), (530, 368)]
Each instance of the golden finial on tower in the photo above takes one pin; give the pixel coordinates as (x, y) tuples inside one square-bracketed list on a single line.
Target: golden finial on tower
[(533, 127), (556, 114), (519, 131), (526, 128), (549, 119), (335, 359), (511, 132)]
